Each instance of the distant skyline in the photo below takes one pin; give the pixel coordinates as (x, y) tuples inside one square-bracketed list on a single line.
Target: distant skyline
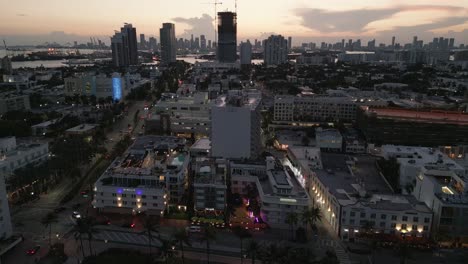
[(35, 22)]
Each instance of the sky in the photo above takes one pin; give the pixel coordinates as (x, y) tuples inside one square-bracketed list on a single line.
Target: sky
[(39, 21)]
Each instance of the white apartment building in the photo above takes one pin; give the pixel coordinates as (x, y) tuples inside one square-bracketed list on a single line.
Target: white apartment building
[(416, 161), (280, 193), (329, 139), (209, 184), (14, 156), (150, 174), (188, 114), (318, 108), (14, 102), (444, 189), (353, 197), (235, 125)]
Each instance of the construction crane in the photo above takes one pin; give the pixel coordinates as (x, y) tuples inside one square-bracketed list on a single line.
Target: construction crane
[(215, 3), (6, 48)]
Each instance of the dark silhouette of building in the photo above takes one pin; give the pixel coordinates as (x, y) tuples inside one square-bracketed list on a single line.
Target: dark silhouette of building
[(168, 43), (124, 47), (227, 37)]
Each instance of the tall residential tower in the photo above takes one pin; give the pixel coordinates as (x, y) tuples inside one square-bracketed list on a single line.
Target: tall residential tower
[(227, 37), (168, 43)]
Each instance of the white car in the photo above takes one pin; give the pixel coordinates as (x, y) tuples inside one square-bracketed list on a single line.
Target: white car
[(194, 229), (76, 215)]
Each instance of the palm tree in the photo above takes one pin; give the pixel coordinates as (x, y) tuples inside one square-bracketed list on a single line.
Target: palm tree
[(292, 218), (47, 222), (209, 234), (252, 250), (242, 234), (181, 237), (89, 224), (80, 228), (150, 225), (311, 216)]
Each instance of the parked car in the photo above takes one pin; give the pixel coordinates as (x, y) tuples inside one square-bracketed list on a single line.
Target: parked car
[(33, 251)]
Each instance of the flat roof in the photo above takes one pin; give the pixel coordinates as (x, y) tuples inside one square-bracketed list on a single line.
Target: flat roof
[(82, 128), (440, 117), (201, 144)]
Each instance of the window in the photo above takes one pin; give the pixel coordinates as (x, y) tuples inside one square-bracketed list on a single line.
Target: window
[(382, 224), (403, 226), (404, 218), (393, 225), (394, 217), (124, 195), (113, 194), (133, 203), (426, 228), (415, 219), (372, 216), (234, 182), (143, 196), (155, 197), (143, 204), (414, 227), (427, 220), (363, 215), (351, 221), (352, 214), (133, 196), (125, 202), (155, 205), (383, 216)]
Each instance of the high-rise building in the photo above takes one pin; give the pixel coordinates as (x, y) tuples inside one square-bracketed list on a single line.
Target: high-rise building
[(209, 44), (130, 43), (168, 43), (275, 50), (245, 53), (6, 65), (235, 125), (192, 43), (202, 42), (124, 47), (289, 43), (197, 43), (152, 44), (142, 41), (393, 42), (227, 37), (118, 57), (451, 43)]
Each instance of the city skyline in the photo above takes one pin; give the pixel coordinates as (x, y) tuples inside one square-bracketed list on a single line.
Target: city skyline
[(328, 21)]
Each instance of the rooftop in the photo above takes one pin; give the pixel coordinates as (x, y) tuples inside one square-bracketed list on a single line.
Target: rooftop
[(82, 128), (348, 177), (236, 98), (438, 117)]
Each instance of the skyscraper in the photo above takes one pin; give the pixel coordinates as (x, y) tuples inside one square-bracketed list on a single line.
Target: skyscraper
[(245, 53), (124, 47), (130, 43), (118, 57), (227, 37), (203, 42), (142, 41), (451, 43), (275, 50), (393, 41), (168, 43), (152, 44), (289, 43)]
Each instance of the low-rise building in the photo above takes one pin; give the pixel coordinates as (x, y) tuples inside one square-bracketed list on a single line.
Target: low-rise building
[(14, 156), (142, 178), (329, 139), (355, 199), (280, 193), (209, 184), (82, 130), (14, 102)]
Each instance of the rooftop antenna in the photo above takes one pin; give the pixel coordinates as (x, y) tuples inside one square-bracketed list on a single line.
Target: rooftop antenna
[(215, 3), (235, 6)]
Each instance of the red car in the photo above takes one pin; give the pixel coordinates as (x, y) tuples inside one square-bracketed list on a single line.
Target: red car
[(33, 250)]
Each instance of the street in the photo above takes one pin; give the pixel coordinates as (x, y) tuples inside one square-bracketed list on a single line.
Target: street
[(26, 218)]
